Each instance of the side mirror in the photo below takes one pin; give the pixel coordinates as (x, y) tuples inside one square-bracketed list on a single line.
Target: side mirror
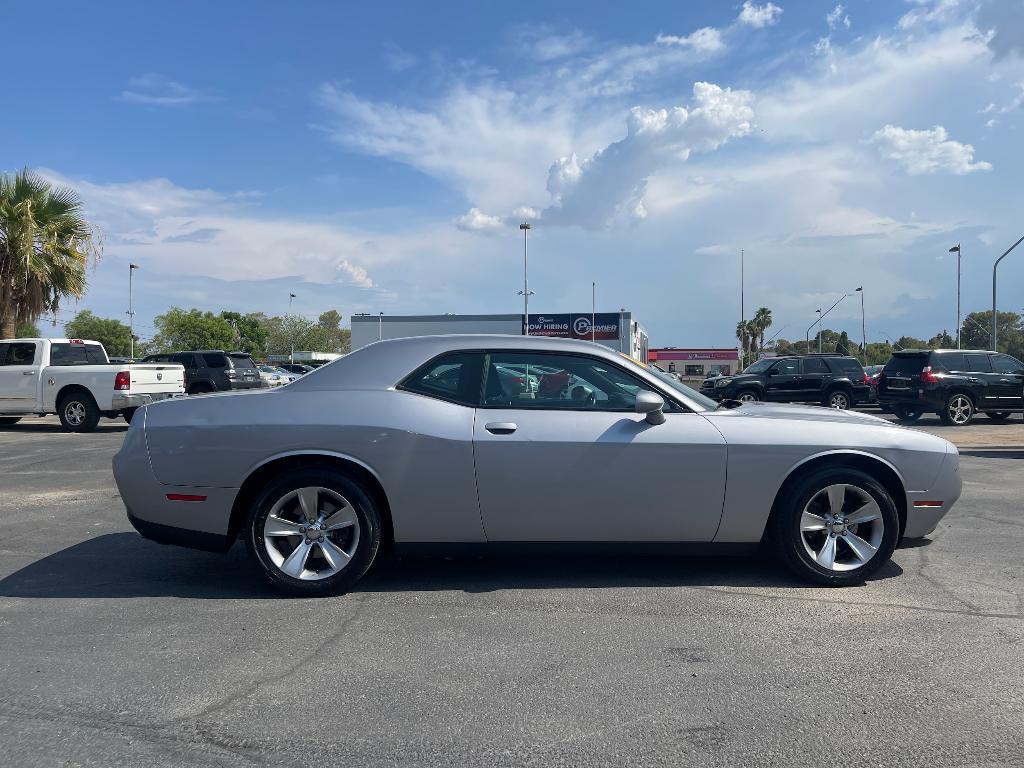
[(650, 404)]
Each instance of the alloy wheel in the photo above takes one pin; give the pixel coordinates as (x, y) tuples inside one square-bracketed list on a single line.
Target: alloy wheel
[(841, 527), (960, 409), (748, 397), (839, 401), (311, 533), (74, 413)]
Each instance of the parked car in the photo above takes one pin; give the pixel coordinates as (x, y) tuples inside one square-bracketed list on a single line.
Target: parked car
[(213, 370), (296, 368), (955, 384), (276, 377), (388, 446), (74, 379), (872, 372), (836, 381)]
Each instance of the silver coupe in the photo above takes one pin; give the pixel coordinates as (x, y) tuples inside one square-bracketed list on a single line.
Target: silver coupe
[(485, 442)]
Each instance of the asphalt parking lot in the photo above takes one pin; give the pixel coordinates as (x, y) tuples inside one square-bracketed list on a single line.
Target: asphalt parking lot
[(118, 651)]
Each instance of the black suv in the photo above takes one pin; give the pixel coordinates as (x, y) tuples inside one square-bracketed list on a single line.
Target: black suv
[(955, 384), (837, 381), (213, 370)]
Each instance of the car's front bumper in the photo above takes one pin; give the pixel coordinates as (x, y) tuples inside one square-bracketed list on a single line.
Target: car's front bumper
[(124, 400), (926, 508)]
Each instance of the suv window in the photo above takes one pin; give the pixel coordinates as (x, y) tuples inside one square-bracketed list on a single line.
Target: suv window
[(951, 361), (77, 354), (559, 382), (815, 365), (849, 366), (22, 353), (906, 365), (187, 359), (786, 367), (215, 360), (240, 361), (1006, 364), (979, 363), (454, 377)]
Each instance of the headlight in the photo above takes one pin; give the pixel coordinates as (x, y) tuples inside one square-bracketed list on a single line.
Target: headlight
[(723, 382)]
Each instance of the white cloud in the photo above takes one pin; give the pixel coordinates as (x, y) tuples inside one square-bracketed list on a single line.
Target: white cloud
[(476, 220), (553, 47), (703, 40), (838, 16), (355, 274), (927, 151), (158, 90), (1002, 21), (929, 12), (758, 16), (593, 192)]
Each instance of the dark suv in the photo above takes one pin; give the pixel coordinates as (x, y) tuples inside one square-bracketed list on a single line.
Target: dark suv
[(213, 370), (955, 384), (837, 381)]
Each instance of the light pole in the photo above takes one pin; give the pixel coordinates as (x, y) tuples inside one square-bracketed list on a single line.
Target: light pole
[(593, 311), (995, 329), (807, 335), (743, 312), (825, 314), (956, 249), (291, 331), (622, 311), (380, 327), (525, 293), (863, 326), (131, 313)]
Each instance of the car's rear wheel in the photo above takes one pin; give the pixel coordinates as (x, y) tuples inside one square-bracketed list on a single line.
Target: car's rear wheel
[(959, 410), (128, 414), (78, 412), (907, 414), (200, 389), (6, 421), (838, 399), (748, 396), (314, 532), (998, 415), (836, 527)]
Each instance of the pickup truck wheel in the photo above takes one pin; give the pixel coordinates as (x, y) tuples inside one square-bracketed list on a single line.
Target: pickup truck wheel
[(838, 399), (7, 421), (959, 410), (128, 413), (906, 414), (78, 412), (998, 415)]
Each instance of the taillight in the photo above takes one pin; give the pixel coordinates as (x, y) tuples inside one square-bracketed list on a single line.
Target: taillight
[(927, 377), (123, 380), (867, 379)]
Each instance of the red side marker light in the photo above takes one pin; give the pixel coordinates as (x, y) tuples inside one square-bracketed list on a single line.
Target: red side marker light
[(184, 497)]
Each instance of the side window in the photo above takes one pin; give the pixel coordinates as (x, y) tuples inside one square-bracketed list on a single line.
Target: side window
[(814, 365), (978, 363), (215, 360), (1006, 364), (187, 359), (23, 353), (95, 355), (559, 382), (786, 368), (454, 377), (68, 354), (951, 361)]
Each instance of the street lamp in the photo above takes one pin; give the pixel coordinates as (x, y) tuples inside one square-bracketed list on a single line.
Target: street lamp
[(995, 329), (622, 311), (291, 333), (380, 326), (863, 326), (956, 249), (131, 313), (526, 292), (807, 334), (593, 311)]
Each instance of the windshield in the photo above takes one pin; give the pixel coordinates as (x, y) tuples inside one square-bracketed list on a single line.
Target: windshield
[(704, 402), (760, 366)]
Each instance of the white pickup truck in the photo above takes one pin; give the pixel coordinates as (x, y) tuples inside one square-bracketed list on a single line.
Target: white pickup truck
[(74, 379)]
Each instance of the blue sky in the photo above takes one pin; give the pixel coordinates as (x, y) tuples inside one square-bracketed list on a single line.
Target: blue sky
[(378, 157)]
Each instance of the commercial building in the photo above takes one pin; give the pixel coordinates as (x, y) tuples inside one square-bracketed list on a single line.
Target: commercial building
[(694, 365), (617, 330), (305, 357)]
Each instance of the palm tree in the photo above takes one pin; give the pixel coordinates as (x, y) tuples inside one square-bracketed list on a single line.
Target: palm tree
[(45, 247), (762, 322)]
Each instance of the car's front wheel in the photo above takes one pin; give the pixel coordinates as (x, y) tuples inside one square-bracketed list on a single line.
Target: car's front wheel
[(314, 532), (836, 527)]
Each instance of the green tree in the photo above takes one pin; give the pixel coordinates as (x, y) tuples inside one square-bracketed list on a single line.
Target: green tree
[(942, 341), (976, 332), (250, 331), (112, 334), (287, 333), (762, 322), (336, 338), (179, 329), (45, 248), (26, 330), (909, 342), (843, 344), (878, 353)]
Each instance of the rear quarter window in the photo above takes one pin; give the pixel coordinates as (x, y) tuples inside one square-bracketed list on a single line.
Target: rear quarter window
[(214, 360), (979, 363), (908, 365), (951, 361), (848, 365)]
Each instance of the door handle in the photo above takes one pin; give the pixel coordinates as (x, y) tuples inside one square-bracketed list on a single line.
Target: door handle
[(501, 427), (28, 373)]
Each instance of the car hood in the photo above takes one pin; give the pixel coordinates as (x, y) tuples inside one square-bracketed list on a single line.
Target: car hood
[(787, 412)]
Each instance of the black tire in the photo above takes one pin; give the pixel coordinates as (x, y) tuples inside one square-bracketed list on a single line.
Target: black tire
[(200, 389), (369, 531), (128, 413), (748, 396), (9, 421), (788, 540), (839, 399), (907, 414), (958, 410), (998, 415), (78, 412)]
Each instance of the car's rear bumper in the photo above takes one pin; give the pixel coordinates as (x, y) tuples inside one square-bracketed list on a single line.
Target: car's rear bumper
[(124, 400)]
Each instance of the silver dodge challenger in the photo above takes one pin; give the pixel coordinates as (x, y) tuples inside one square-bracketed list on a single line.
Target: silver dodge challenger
[(485, 442)]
